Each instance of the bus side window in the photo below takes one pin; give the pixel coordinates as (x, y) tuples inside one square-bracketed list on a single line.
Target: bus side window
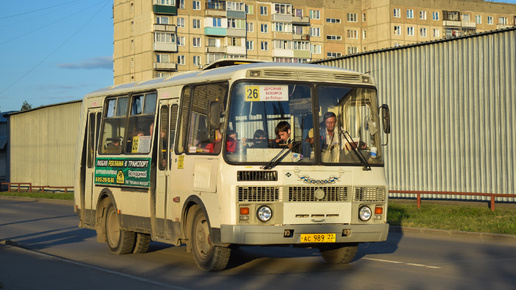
[(163, 138), (183, 122), (141, 122), (113, 127), (172, 133)]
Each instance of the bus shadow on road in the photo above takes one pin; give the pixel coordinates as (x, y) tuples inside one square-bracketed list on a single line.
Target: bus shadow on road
[(45, 239)]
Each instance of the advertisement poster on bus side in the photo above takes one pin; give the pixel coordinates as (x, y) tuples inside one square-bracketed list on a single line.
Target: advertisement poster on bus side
[(123, 171)]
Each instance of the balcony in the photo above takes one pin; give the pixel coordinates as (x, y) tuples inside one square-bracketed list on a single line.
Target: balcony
[(503, 26), (238, 50), (302, 53), (303, 20), (165, 46), (215, 8), (283, 53), (469, 25), (301, 36), (234, 32), (236, 14), (165, 9), (168, 66), (165, 28), (451, 23), (215, 49), (215, 31), (281, 18)]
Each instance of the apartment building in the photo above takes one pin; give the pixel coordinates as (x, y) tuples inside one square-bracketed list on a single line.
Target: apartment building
[(155, 38)]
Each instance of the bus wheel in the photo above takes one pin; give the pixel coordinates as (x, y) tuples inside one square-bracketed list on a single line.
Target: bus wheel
[(207, 256), (142, 243), (338, 253), (119, 241)]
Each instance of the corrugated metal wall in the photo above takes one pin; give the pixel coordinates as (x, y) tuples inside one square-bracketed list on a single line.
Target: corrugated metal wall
[(453, 112), (43, 144)]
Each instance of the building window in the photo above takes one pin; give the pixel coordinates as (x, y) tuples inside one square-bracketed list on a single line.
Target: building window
[(196, 42), (437, 32), (249, 45), (315, 48), (334, 37), (196, 60), (364, 17), (352, 17), (332, 20), (264, 28), (490, 20), (422, 32), (196, 23), (196, 5), (235, 6), (478, 19), (435, 16), (315, 31), (352, 49), (217, 22), (333, 54), (352, 34), (410, 13), (164, 37), (298, 12), (397, 13), (364, 34), (236, 23), (180, 22), (181, 59), (410, 31), (249, 9), (250, 27), (264, 45), (163, 58), (284, 9), (181, 4), (465, 18), (264, 10), (502, 21), (422, 15), (162, 20), (180, 41), (283, 27), (315, 14), (397, 30)]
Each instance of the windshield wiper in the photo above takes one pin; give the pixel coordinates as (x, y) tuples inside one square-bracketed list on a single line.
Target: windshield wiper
[(280, 156), (359, 154)]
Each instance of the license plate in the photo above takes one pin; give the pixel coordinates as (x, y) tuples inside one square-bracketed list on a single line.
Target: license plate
[(317, 238)]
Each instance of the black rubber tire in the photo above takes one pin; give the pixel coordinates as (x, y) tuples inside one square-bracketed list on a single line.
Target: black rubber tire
[(142, 243), (339, 253), (207, 256), (119, 241)]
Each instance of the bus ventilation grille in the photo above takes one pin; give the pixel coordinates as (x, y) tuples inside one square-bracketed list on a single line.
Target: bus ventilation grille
[(305, 193), (369, 194), (257, 176), (258, 194)]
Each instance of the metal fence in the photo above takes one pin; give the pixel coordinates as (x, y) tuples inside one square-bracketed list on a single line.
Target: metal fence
[(453, 105)]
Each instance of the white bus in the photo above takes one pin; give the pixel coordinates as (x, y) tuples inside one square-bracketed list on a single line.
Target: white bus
[(251, 154)]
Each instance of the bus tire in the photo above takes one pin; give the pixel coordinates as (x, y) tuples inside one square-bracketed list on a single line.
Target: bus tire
[(338, 253), (207, 256), (142, 243), (119, 241)]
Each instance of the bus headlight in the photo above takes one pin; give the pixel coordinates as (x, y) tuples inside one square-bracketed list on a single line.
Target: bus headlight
[(365, 213), (264, 213)]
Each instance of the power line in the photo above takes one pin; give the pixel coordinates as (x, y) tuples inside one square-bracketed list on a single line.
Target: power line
[(55, 50), (38, 10)]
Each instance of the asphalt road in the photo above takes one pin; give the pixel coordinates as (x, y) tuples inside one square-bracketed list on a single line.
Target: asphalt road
[(42, 248)]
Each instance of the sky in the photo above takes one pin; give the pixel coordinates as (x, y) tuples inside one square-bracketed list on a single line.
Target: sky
[(56, 51)]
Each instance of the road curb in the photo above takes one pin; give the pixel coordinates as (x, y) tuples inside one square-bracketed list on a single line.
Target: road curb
[(451, 233)]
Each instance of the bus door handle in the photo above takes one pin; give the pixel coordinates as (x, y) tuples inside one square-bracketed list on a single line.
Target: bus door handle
[(318, 221)]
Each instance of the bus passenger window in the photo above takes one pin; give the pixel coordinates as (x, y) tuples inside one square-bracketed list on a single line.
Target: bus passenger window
[(163, 138), (141, 124), (113, 127)]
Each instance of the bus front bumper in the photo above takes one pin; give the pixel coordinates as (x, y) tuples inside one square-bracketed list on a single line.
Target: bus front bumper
[(291, 234)]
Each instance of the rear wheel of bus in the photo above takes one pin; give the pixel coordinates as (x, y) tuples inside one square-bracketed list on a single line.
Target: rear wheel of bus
[(339, 253), (119, 241), (208, 256)]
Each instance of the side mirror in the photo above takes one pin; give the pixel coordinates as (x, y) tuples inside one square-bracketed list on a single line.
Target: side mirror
[(386, 118), (214, 115)]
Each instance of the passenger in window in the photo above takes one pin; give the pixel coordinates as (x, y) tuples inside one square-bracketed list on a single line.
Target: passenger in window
[(216, 145), (260, 140), (129, 144), (283, 139), (231, 142)]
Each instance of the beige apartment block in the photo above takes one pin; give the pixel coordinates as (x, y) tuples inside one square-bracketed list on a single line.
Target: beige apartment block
[(155, 38)]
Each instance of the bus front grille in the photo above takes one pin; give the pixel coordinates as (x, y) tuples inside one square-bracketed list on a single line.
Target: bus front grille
[(258, 193), (315, 193), (257, 176), (369, 194)]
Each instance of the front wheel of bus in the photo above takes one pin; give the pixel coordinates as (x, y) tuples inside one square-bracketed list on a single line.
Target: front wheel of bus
[(207, 256), (119, 241), (338, 253)]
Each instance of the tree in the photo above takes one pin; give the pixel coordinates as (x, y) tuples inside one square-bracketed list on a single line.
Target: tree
[(25, 106)]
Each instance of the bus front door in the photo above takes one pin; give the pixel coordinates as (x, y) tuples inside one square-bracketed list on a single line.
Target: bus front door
[(163, 202), (92, 133)]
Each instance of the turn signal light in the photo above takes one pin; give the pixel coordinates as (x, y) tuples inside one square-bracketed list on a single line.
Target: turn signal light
[(378, 210), (244, 211)]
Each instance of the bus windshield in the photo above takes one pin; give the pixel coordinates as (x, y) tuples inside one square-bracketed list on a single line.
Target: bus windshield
[(302, 123)]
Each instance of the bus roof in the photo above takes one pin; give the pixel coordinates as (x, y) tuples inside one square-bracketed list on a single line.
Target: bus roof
[(267, 70)]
